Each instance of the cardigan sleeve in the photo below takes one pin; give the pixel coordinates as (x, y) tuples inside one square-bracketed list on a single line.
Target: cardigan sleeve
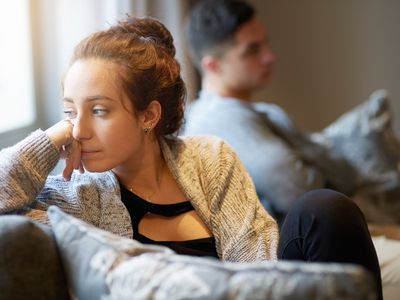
[(27, 188), (24, 168), (248, 233)]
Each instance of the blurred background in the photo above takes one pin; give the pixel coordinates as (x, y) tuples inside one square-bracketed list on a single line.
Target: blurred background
[(331, 55)]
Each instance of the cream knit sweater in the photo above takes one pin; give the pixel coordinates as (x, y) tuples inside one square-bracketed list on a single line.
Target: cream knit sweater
[(207, 170)]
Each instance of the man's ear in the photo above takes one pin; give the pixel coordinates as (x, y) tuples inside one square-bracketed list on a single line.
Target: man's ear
[(151, 116), (210, 64)]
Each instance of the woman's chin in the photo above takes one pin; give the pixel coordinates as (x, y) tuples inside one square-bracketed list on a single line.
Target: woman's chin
[(94, 168)]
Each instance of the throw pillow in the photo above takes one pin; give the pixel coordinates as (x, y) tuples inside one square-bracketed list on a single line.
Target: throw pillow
[(365, 138), (89, 254), (101, 265), (30, 266)]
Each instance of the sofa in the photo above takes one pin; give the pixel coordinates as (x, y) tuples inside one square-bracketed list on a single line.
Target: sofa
[(74, 260), (365, 138)]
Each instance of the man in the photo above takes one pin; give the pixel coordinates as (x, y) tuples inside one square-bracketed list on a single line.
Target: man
[(230, 47)]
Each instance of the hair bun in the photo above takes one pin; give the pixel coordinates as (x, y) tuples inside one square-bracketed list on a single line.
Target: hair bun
[(149, 28)]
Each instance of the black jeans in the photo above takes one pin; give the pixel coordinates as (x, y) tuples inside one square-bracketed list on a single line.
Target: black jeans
[(326, 226)]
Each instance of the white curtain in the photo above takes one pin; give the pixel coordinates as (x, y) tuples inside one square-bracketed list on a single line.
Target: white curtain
[(58, 25)]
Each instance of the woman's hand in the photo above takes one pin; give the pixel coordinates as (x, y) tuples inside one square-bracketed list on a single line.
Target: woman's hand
[(70, 149), (72, 155)]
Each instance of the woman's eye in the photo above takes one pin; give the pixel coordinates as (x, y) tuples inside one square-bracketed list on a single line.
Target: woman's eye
[(99, 112), (70, 113)]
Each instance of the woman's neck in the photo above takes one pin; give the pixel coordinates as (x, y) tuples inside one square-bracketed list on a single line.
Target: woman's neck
[(144, 172)]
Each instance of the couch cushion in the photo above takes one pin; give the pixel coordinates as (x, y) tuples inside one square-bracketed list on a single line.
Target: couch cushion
[(364, 137), (30, 267), (103, 265)]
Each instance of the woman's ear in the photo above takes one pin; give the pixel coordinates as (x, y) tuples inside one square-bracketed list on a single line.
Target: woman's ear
[(151, 116)]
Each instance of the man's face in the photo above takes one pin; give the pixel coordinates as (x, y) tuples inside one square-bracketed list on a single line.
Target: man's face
[(246, 66)]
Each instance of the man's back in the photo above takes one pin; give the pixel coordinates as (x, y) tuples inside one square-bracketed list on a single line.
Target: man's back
[(230, 46), (254, 130)]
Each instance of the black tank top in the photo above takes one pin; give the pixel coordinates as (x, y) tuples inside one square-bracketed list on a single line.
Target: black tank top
[(139, 207)]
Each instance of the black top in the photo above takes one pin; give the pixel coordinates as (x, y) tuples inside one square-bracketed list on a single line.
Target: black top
[(139, 207)]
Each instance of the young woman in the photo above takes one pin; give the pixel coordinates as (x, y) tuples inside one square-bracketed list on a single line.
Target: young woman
[(124, 99)]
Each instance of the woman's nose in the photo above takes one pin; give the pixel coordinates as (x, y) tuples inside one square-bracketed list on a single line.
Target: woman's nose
[(81, 129)]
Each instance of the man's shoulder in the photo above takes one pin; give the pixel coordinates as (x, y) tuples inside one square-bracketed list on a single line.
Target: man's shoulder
[(268, 107), (204, 113), (274, 113), (213, 102)]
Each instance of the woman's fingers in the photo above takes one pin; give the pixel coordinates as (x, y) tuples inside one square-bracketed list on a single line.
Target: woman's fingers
[(70, 149), (61, 133), (73, 159), (64, 152), (81, 168)]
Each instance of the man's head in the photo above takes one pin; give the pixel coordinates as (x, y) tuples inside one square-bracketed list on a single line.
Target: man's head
[(229, 45)]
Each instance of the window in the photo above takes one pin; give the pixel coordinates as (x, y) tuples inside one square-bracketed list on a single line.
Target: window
[(30, 72), (16, 79)]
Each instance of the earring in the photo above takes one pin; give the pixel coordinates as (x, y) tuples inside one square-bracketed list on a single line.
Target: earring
[(148, 128)]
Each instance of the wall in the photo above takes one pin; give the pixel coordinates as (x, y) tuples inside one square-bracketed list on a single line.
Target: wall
[(331, 55)]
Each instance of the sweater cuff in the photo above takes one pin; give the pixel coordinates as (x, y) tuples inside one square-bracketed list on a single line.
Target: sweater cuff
[(40, 152)]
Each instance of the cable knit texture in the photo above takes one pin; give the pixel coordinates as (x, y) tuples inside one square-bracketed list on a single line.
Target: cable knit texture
[(207, 170)]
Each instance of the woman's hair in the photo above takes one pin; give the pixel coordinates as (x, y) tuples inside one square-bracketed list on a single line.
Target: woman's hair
[(143, 50)]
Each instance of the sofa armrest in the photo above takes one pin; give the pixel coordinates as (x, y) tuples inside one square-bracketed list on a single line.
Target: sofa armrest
[(390, 231), (30, 265)]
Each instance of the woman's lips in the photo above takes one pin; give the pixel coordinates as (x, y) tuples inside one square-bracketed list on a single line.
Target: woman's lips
[(89, 153)]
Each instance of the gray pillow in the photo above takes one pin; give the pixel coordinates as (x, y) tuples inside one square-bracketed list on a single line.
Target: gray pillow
[(101, 265), (30, 267), (365, 138), (90, 254)]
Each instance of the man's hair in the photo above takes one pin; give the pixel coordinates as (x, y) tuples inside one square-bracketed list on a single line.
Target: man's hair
[(212, 25)]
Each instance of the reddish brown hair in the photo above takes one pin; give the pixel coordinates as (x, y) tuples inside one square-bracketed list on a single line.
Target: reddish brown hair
[(143, 50)]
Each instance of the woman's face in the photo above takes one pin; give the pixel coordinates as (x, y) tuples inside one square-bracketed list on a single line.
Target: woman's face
[(104, 121)]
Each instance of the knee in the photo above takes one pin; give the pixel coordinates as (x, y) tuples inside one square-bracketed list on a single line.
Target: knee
[(327, 204)]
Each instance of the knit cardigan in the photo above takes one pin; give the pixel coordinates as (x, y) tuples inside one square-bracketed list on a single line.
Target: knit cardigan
[(206, 169)]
